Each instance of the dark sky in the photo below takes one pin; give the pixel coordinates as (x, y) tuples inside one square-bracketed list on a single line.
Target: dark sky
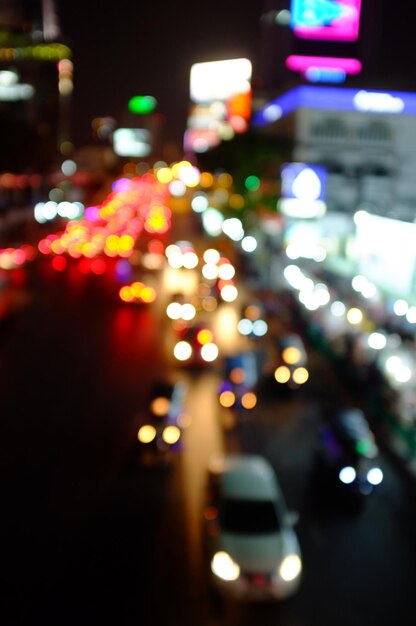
[(124, 48)]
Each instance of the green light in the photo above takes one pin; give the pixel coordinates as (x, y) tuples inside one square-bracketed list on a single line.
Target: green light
[(252, 183), (142, 104), (363, 447)]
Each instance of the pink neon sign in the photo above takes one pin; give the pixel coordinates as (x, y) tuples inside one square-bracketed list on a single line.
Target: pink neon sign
[(337, 20), (298, 63)]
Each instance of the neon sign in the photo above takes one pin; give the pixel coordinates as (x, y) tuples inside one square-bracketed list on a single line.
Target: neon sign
[(300, 63), (326, 19), (336, 98), (378, 102)]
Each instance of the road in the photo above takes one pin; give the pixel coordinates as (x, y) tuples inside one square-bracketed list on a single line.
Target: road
[(90, 534)]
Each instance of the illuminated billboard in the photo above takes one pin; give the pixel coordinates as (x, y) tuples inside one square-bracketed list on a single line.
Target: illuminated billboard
[(336, 20), (327, 69), (132, 142), (303, 190), (386, 251), (336, 98), (219, 80), (220, 92)]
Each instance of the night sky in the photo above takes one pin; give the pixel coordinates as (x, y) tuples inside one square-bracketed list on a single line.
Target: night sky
[(124, 48)]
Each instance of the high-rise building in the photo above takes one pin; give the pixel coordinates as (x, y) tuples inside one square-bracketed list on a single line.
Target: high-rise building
[(35, 87)]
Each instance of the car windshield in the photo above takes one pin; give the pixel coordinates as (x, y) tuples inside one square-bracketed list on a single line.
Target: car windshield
[(249, 516)]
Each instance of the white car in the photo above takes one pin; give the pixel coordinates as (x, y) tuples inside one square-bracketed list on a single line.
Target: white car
[(254, 550)]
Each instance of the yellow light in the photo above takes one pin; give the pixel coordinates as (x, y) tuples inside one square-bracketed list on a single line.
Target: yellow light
[(106, 211), (156, 223), (146, 433), (249, 400), (354, 316), (89, 249), (206, 179), (57, 247), (225, 180), (125, 294), (111, 243), (227, 399), (204, 336), (237, 375), (164, 175), (171, 434), (282, 374), (176, 167), (73, 251), (136, 288), (236, 201), (291, 355), (148, 295), (160, 406), (300, 375), (126, 243)]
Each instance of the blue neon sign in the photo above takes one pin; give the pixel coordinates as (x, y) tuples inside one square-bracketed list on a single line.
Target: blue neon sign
[(336, 98)]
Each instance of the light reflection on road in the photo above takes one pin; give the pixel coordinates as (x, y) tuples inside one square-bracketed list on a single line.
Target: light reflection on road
[(203, 438), (225, 329), (179, 280)]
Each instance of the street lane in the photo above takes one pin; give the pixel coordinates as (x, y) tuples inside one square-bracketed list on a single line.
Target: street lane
[(90, 533)]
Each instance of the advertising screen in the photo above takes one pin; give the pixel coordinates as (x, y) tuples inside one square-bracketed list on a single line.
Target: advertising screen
[(336, 20), (219, 80), (132, 142), (386, 251), (220, 93)]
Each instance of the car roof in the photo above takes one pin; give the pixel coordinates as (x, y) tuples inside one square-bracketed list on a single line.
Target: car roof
[(291, 339), (352, 423), (246, 476)]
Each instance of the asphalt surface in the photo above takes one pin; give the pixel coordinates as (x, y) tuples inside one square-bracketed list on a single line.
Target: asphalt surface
[(91, 534)]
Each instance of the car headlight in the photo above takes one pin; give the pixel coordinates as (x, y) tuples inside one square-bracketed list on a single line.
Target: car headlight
[(300, 375), (227, 398), (182, 351), (209, 351), (146, 433), (171, 434), (223, 566), (347, 475), (290, 567), (375, 476), (282, 374)]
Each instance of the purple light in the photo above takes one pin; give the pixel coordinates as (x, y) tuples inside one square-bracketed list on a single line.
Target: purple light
[(337, 98), (123, 270), (92, 213), (122, 184), (299, 63)]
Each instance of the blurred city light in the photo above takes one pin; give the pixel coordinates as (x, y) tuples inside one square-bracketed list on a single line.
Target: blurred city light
[(142, 105)]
